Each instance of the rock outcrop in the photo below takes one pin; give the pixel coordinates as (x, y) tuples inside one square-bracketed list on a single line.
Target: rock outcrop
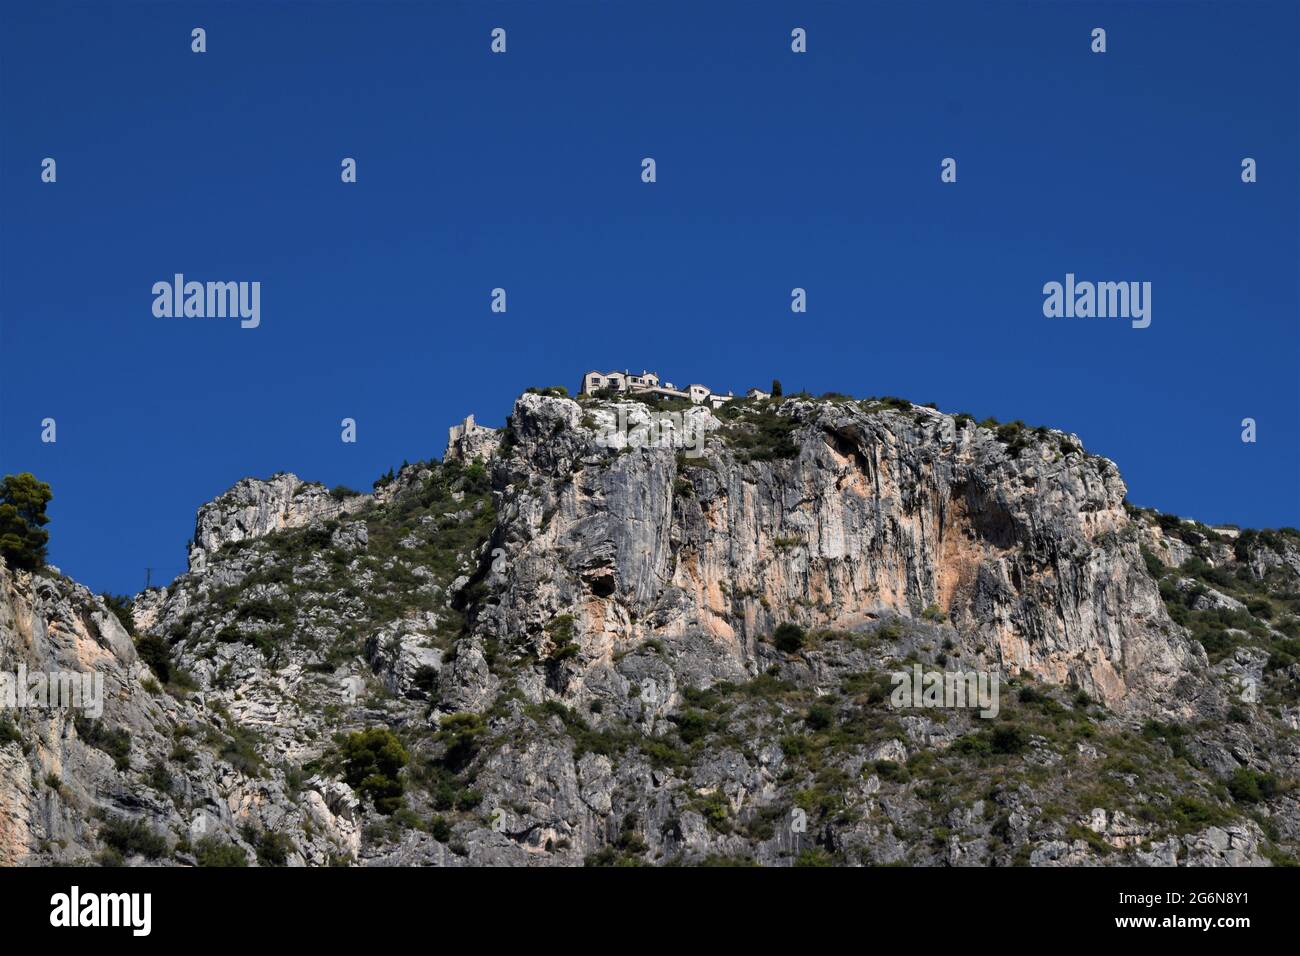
[(254, 508), (1032, 556), (469, 441), (615, 632)]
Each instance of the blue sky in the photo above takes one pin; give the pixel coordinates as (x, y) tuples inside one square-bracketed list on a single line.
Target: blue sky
[(522, 171)]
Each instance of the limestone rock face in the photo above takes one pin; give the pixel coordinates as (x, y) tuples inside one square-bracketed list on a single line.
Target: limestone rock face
[(469, 441), (1033, 557), (572, 628), (254, 508), (72, 774)]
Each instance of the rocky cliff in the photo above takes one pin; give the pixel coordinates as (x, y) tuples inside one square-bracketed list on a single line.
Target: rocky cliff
[(586, 638)]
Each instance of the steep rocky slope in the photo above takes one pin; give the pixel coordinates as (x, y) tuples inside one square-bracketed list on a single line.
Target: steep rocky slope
[(553, 648)]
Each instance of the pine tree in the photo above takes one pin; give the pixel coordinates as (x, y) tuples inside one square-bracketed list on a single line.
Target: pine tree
[(22, 518)]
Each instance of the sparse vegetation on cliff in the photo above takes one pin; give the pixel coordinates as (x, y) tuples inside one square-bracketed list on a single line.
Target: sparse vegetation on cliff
[(564, 656)]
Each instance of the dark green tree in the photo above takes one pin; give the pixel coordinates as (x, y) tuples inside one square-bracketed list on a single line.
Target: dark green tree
[(788, 638), (776, 388), (153, 651), (22, 519), (372, 762)]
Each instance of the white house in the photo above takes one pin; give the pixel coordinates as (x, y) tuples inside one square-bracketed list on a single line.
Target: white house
[(648, 382)]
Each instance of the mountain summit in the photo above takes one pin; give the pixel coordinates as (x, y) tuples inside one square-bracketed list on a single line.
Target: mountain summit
[(633, 628)]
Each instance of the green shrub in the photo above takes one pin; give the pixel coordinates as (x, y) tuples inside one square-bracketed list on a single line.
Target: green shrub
[(789, 638), (1190, 814), (269, 612), (890, 770), (8, 732), (274, 848), (372, 762), (972, 744), (1172, 734), (132, 837), (239, 749), (820, 716), (1013, 435), (1251, 786), (426, 679), (1260, 607), (814, 857), (160, 777), (1155, 567), (1089, 836), (551, 391), (692, 725), (564, 652), (560, 631), (120, 606), (461, 733), (114, 742), (759, 433), (1008, 739), (153, 651), (1030, 695), (715, 810), (210, 851)]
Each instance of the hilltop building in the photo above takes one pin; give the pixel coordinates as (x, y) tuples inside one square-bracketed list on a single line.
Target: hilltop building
[(648, 383)]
